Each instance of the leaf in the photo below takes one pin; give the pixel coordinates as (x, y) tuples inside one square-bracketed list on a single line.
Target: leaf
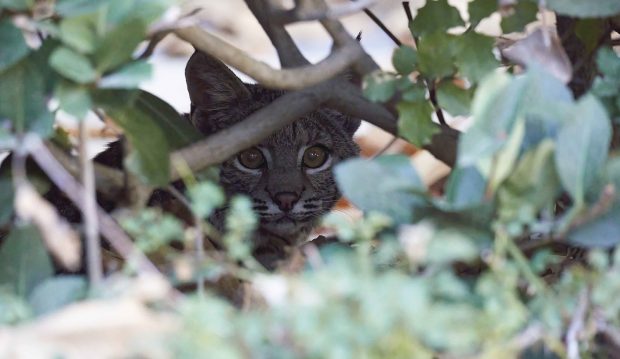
[(582, 146), (23, 95), (6, 199), (14, 46), (73, 99), (475, 57), (435, 55), (389, 185), (608, 62), (585, 8), (178, 131), (495, 109), (70, 8), (533, 50), (79, 33), (153, 128), (111, 52), (24, 262), (454, 99), (524, 12), (589, 31), (603, 231), (72, 65), (205, 197), (149, 156), (379, 86), (533, 185), (16, 4), (480, 9), (404, 59), (56, 292), (465, 187), (128, 77), (436, 15), (415, 122)]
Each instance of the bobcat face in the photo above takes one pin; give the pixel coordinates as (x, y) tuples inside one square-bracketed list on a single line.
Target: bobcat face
[(289, 175)]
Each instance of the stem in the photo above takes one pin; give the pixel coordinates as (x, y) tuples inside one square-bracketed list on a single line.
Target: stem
[(89, 211)]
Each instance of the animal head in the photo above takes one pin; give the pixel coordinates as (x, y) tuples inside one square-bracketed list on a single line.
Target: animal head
[(289, 175)]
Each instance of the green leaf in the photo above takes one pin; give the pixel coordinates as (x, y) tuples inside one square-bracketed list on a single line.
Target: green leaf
[(148, 158), (72, 65), (23, 95), (480, 9), (608, 62), (379, 86), (147, 11), (16, 4), (70, 8), (475, 55), (404, 59), (524, 13), (14, 46), (495, 109), (73, 99), (178, 131), (465, 188), (603, 231), (79, 33), (205, 197), (436, 15), (589, 31), (6, 199), (585, 8), (13, 309), (388, 187), (454, 99), (111, 52), (415, 122), (56, 292), (24, 261), (128, 77), (532, 186), (436, 55), (582, 146)]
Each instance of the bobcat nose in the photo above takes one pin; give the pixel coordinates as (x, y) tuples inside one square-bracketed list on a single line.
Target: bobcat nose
[(286, 200)]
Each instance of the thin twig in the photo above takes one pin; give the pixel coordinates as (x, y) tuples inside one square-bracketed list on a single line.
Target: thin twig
[(382, 26), (89, 211), (407, 11), (386, 147)]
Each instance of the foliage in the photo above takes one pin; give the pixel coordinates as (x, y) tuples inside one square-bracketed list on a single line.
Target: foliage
[(473, 272)]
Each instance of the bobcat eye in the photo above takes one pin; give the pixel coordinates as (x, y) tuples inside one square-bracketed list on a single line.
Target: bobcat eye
[(315, 156), (252, 158)]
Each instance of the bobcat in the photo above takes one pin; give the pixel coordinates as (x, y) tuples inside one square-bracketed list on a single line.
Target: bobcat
[(289, 175)]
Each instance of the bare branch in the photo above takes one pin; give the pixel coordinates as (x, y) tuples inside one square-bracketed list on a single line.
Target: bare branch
[(288, 52), (89, 211), (309, 13), (256, 127), (110, 230), (295, 78)]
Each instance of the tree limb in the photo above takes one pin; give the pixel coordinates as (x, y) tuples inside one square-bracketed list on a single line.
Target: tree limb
[(291, 79), (308, 13)]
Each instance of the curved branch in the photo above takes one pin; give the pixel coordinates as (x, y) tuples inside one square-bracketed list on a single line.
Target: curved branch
[(295, 78), (308, 13)]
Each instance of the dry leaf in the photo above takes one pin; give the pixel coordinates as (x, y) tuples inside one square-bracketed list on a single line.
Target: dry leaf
[(61, 240), (544, 48)]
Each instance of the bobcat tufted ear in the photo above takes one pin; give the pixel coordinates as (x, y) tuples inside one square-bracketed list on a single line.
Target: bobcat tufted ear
[(351, 125), (211, 84)]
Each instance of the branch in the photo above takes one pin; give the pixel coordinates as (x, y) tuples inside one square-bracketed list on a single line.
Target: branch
[(576, 326), (110, 230), (291, 79), (308, 13), (256, 127), (288, 52)]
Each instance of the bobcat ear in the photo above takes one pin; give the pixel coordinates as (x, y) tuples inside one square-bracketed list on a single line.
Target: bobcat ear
[(350, 125), (210, 83)]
